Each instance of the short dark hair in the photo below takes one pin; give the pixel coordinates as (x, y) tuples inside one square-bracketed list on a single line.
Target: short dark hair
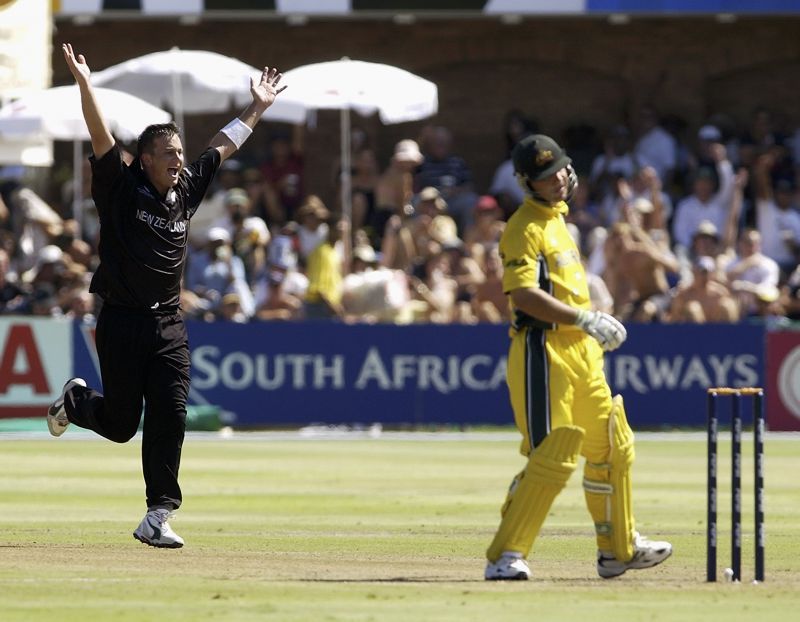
[(151, 132)]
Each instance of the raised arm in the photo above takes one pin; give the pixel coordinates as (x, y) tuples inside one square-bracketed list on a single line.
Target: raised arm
[(102, 140), (231, 137)]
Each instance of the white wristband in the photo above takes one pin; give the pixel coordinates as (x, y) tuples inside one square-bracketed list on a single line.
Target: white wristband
[(238, 131)]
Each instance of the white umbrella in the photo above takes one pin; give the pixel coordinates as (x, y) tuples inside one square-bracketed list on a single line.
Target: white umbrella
[(187, 81), (56, 113), (395, 94)]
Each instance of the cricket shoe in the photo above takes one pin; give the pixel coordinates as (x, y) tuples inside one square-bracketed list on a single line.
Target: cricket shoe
[(57, 421), (154, 530), (510, 567), (646, 554)]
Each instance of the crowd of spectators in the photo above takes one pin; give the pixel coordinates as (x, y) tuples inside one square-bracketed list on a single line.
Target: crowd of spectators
[(675, 224)]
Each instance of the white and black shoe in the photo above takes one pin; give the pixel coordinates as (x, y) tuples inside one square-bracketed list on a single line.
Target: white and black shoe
[(646, 554), (154, 530), (510, 567), (57, 421)]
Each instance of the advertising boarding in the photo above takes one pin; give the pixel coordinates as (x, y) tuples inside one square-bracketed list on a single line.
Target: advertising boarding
[(297, 374)]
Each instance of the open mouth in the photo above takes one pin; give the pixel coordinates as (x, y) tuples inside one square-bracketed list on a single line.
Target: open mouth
[(173, 172)]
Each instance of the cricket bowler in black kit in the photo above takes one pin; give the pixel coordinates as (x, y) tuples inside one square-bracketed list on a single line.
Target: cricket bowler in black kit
[(144, 210)]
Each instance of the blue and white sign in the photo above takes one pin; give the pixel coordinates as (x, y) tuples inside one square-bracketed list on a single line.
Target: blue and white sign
[(292, 374)]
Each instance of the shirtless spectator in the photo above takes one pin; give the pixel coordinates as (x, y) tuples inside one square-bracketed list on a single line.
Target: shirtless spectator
[(436, 288), (704, 299), (395, 188), (463, 268), (421, 236), (638, 259), (490, 303)]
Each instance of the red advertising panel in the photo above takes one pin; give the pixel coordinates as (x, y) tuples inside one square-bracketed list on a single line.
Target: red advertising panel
[(35, 361), (783, 381)]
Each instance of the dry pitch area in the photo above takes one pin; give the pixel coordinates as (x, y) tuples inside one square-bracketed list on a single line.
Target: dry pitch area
[(369, 529)]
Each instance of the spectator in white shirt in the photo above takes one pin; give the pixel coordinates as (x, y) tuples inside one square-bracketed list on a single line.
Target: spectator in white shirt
[(777, 217), (751, 272), (710, 199), (656, 147)]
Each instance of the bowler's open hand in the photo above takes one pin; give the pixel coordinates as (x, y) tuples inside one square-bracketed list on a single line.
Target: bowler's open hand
[(80, 70), (266, 89)]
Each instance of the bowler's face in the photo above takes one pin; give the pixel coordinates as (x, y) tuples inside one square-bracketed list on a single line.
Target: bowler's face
[(164, 162)]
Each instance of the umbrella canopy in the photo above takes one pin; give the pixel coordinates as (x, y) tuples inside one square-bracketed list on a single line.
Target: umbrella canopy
[(395, 94), (186, 81), (56, 113)]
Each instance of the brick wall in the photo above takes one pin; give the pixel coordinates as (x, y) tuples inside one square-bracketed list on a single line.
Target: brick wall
[(560, 71)]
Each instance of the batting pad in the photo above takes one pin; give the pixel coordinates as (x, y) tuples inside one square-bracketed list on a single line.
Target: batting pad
[(533, 491), (607, 488)]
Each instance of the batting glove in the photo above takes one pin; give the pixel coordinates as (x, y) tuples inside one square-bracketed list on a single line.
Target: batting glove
[(603, 327)]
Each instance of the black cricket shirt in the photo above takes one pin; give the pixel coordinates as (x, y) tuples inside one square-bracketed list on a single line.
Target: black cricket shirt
[(143, 236)]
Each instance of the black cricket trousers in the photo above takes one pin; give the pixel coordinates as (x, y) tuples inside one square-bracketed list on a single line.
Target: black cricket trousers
[(142, 357)]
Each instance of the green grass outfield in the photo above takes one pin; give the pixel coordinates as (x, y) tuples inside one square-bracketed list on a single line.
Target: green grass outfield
[(388, 529)]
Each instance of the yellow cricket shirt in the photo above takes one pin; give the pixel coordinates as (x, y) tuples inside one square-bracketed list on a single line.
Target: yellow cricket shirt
[(324, 275), (538, 251)]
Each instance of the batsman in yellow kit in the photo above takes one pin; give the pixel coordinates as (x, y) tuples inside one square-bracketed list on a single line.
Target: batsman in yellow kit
[(562, 403)]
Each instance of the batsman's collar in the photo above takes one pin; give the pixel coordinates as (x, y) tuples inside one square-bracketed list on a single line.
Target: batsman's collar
[(549, 210)]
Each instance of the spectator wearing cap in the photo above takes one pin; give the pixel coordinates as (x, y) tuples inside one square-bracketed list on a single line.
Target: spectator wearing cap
[(221, 273), (313, 230), (230, 309), (712, 192), (249, 234), (423, 235), (486, 229), (703, 299), (284, 173), (279, 297), (448, 173), (394, 191), (777, 215)]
